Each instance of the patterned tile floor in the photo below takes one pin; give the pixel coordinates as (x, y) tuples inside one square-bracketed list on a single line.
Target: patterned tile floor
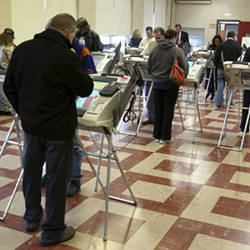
[(190, 194)]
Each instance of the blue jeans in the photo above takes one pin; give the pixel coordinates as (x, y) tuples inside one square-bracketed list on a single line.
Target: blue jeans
[(220, 88), (59, 163), (77, 160), (150, 105)]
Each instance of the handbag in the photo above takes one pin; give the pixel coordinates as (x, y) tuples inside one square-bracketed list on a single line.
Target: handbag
[(177, 74)]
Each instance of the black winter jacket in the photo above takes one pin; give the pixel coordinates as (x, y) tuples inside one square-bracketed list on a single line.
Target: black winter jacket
[(231, 52), (41, 83), (92, 40)]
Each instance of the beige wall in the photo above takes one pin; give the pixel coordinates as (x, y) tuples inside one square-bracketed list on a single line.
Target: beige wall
[(137, 21), (29, 17), (87, 9), (5, 14), (204, 16)]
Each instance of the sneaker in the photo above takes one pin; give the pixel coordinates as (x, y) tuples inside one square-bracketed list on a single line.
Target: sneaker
[(157, 140), (240, 135), (73, 188), (68, 234), (165, 141)]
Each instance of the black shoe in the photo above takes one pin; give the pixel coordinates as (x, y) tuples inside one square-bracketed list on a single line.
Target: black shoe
[(5, 112), (147, 122), (31, 226), (73, 188), (43, 180), (68, 234)]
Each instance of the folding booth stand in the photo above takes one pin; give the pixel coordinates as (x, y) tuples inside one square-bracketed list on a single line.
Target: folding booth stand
[(190, 94), (7, 140), (103, 116)]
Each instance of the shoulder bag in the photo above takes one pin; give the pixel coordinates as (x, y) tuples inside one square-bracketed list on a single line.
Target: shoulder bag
[(177, 74)]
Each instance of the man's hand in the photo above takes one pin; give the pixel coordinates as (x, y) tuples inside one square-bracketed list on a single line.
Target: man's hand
[(72, 50)]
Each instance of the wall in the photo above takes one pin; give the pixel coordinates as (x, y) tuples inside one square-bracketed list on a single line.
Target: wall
[(29, 17), (205, 16), (113, 17), (137, 21), (5, 14), (87, 9)]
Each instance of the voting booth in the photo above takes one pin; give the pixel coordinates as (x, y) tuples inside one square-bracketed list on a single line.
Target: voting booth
[(103, 116), (237, 77), (190, 91)]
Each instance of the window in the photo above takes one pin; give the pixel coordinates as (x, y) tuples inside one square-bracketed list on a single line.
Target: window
[(196, 36)]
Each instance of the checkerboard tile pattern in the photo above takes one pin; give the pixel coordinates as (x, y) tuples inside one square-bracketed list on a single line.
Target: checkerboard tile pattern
[(190, 194)]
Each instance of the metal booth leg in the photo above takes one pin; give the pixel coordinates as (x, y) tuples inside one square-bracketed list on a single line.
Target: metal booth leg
[(223, 130), (110, 156), (99, 163), (19, 144)]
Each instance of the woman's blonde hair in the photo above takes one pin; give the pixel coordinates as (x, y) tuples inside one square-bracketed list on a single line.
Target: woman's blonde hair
[(136, 34)]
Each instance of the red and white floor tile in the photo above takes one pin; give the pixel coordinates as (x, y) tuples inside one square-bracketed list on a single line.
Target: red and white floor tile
[(190, 194)]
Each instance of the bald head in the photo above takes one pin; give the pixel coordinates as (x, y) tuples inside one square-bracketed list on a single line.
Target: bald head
[(64, 23)]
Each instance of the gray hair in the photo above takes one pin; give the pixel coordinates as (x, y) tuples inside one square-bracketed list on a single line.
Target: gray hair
[(62, 22)]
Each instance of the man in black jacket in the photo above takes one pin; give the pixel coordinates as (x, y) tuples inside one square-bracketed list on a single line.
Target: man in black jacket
[(43, 78), (231, 51), (90, 37)]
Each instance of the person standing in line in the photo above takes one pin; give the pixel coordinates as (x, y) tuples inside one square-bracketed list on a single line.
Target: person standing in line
[(159, 35), (231, 51), (165, 92), (42, 88)]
